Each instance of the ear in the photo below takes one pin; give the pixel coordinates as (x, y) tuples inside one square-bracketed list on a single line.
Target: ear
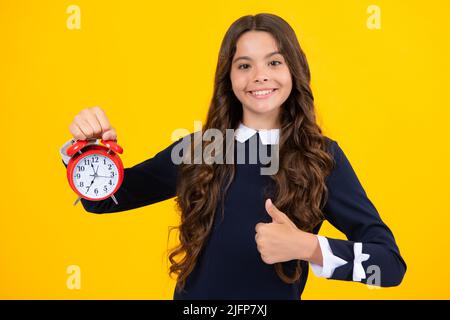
[(277, 215)]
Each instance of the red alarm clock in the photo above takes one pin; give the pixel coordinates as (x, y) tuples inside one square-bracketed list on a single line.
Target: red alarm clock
[(95, 171)]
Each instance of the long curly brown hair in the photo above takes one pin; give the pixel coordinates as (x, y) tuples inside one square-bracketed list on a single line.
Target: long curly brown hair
[(304, 160)]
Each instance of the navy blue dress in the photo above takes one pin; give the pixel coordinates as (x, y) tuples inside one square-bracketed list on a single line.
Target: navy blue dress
[(230, 266)]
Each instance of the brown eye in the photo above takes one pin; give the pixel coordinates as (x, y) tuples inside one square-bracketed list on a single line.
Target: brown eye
[(276, 63), (243, 66)]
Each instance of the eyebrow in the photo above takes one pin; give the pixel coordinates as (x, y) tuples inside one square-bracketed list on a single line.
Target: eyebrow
[(248, 58)]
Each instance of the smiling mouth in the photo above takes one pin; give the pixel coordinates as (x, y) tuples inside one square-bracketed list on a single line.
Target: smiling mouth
[(260, 94)]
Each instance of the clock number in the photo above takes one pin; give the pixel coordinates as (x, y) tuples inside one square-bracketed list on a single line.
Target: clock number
[(96, 191), (78, 176), (110, 182), (80, 168), (86, 162), (105, 188), (109, 166), (81, 184), (112, 174), (95, 159)]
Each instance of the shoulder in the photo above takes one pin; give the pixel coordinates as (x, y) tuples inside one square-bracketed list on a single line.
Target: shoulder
[(333, 148), (342, 172)]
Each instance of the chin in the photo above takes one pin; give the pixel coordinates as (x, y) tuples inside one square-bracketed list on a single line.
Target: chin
[(261, 109)]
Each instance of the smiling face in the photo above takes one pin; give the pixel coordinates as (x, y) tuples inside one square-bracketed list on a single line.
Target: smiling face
[(260, 78)]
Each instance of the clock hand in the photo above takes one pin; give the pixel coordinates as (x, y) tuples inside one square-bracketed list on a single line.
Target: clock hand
[(95, 170), (95, 174), (100, 176), (90, 185)]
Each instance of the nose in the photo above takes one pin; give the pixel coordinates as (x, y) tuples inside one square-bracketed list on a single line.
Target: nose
[(260, 76), (261, 79)]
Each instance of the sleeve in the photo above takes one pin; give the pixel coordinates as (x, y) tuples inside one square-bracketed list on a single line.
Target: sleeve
[(148, 182), (370, 246)]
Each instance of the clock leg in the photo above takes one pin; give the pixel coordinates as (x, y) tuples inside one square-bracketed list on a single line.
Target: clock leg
[(114, 199), (77, 200)]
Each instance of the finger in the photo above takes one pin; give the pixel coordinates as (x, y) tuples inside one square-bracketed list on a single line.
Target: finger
[(76, 132), (266, 259), (108, 131), (274, 212), (85, 127), (91, 118), (258, 226), (110, 135), (258, 247)]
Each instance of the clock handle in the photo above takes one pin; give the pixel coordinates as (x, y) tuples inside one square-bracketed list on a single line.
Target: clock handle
[(112, 145), (77, 146)]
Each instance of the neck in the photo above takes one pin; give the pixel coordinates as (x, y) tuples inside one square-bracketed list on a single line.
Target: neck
[(261, 121)]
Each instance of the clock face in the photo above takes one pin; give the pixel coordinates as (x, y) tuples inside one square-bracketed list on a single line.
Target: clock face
[(95, 176)]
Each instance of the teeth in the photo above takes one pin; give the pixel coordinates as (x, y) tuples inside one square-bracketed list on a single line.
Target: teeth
[(261, 93)]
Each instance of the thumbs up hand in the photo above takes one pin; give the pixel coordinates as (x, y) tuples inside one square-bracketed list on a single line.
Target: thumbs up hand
[(281, 240)]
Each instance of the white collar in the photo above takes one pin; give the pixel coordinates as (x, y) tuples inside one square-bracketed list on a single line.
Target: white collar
[(267, 136)]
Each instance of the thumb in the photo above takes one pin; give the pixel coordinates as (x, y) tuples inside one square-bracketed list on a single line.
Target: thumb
[(277, 215), (109, 135)]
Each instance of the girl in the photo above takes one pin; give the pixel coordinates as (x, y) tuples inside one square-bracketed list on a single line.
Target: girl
[(244, 235)]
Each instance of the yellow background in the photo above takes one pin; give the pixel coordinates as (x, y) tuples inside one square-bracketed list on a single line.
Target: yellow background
[(382, 94)]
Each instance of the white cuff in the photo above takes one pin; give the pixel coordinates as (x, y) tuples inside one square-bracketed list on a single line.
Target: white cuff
[(358, 270), (66, 145), (330, 261), (63, 152)]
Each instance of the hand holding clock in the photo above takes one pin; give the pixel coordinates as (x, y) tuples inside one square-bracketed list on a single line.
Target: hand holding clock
[(92, 123), (88, 125)]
